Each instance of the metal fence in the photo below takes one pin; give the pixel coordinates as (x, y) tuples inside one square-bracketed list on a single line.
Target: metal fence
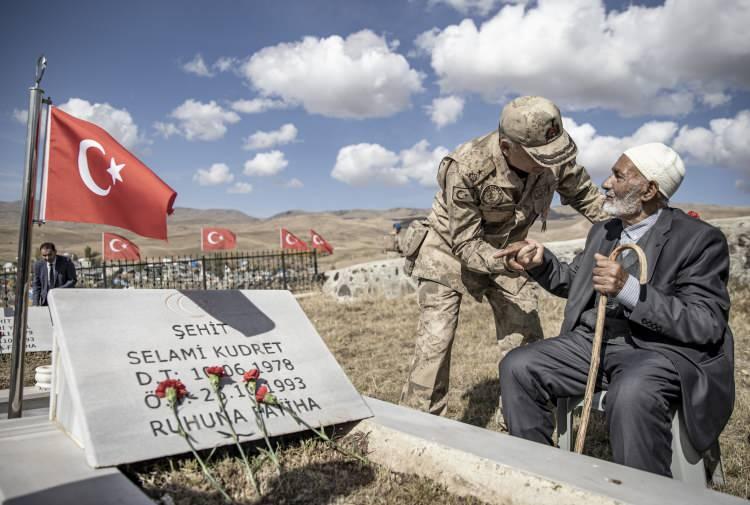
[(295, 271)]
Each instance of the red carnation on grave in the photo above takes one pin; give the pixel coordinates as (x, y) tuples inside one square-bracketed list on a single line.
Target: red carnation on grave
[(171, 389), (262, 395), (217, 370), (251, 375), (694, 214)]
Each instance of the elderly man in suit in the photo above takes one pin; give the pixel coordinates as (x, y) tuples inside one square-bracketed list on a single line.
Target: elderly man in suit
[(666, 343), (52, 271)]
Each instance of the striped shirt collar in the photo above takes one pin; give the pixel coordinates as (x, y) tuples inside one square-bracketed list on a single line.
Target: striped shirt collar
[(635, 231)]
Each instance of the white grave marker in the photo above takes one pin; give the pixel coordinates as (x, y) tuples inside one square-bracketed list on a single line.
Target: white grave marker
[(112, 347), (38, 331)]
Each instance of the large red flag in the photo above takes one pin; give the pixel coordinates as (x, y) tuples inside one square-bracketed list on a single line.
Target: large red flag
[(216, 239), (115, 247), (90, 178), (290, 241), (320, 243)]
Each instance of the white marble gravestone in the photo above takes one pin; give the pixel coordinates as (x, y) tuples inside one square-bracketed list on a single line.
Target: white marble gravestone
[(112, 347), (38, 330)]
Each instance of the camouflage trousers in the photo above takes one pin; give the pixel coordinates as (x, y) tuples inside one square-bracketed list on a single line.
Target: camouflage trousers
[(516, 323)]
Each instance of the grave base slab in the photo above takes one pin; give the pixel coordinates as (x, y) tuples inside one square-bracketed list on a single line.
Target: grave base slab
[(501, 469), (41, 465)]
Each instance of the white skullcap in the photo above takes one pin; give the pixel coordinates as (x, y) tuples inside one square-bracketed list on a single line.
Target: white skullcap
[(660, 164)]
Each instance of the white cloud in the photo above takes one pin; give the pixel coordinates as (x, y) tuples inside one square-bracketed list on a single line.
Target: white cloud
[(197, 66), (118, 122), (294, 184), (266, 140), (166, 130), (599, 152), (421, 164), (482, 7), (640, 60), (724, 143), (218, 173), (240, 188), (199, 121), (257, 105), (264, 164), (742, 185), (21, 116), (358, 76), (364, 164), (445, 110), (226, 63)]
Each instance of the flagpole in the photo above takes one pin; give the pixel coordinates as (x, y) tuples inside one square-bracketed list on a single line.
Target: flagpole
[(15, 403)]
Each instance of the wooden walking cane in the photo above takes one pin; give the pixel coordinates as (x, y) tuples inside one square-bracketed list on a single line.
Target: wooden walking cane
[(597, 344)]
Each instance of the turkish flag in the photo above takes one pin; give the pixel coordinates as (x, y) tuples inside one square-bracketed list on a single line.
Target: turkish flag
[(320, 243), (115, 247), (216, 239), (90, 178), (290, 241)]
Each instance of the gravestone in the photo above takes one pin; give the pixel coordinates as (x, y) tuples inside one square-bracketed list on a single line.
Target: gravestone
[(112, 347), (38, 330)]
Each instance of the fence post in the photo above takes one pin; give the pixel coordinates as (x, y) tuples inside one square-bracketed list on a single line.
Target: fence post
[(203, 269), (283, 269), (104, 273), (315, 264)]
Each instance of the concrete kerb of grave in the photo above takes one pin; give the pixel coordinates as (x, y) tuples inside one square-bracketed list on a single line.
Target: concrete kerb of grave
[(501, 469), (41, 465)]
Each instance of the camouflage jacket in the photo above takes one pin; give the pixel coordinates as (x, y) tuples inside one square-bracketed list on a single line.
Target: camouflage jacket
[(482, 206)]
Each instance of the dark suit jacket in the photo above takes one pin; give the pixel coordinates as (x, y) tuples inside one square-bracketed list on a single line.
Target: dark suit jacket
[(65, 278), (682, 311)]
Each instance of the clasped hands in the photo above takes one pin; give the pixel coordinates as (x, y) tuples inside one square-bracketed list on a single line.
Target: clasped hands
[(608, 275)]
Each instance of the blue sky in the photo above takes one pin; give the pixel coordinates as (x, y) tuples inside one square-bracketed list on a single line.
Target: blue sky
[(315, 105)]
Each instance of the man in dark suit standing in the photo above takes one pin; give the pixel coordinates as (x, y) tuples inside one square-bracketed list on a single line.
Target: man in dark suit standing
[(52, 271), (666, 343)]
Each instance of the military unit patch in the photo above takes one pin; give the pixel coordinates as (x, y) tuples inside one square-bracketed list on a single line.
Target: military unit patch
[(491, 195)]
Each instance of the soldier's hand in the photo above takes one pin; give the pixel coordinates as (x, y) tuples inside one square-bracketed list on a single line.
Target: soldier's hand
[(609, 276), (522, 255)]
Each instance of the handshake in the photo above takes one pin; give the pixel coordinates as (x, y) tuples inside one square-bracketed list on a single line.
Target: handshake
[(522, 255)]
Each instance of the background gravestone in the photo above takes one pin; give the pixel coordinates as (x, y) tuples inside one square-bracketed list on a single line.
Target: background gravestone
[(112, 347), (38, 330)]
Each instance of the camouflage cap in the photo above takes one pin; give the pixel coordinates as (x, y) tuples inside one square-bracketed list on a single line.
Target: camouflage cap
[(535, 123)]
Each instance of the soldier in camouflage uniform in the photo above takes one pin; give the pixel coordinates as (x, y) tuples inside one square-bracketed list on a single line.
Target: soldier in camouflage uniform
[(492, 189)]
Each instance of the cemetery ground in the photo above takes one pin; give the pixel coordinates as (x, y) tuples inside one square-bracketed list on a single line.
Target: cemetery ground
[(373, 341)]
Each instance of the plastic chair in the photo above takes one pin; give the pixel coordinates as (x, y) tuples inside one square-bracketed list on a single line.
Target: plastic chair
[(687, 465)]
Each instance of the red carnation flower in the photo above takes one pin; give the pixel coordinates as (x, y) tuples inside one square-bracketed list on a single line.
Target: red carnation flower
[(217, 370), (172, 389), (261, 393), (694, 214), (251, 375)]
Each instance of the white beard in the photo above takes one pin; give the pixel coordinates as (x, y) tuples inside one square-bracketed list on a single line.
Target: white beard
[(628, 205)]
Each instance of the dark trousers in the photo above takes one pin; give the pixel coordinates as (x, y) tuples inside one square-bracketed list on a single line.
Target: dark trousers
[(640, 384)]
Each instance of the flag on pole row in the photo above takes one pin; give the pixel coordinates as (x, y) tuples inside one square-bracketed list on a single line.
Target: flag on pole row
[(90, 178), (320, 243), (115, 247), (290, 241), (216, 239)]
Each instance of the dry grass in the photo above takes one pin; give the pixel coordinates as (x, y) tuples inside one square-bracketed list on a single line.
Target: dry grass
[(312, 473), (373, 341)]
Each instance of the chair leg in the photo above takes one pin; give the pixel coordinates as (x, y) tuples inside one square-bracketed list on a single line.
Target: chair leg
[(687, 465), (714, 468), (564, 425)]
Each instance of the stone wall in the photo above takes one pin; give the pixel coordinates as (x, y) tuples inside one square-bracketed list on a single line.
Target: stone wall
[(386, 277)]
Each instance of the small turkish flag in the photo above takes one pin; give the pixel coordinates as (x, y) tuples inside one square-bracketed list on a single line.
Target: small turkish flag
[(216, 239), (116, 247), (90, 178), (289, 241), (320, 243)]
